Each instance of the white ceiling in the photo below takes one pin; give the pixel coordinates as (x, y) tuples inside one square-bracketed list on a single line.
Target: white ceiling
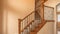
[(21, 7)]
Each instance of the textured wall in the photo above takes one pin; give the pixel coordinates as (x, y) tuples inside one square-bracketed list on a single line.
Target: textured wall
[(48, 13), (48, 28)]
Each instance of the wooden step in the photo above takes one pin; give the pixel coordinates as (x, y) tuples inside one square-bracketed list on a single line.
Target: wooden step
[(39, 27), (45, 0), (33, 32)]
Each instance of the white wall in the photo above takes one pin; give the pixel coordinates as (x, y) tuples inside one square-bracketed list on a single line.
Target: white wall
[(12, 24), (48, 28), (4, 21)]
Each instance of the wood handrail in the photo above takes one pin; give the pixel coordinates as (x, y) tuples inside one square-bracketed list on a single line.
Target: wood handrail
[(58, 12), (42, 1), (27, 15), (27, 25), (45, 0), (50, 21)]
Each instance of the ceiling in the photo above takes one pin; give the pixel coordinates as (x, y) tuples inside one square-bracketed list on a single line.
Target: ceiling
[(21, 7), (52, 3)]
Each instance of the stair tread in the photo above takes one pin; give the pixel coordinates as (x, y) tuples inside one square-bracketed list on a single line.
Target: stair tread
[(37, 28), (32, 32)]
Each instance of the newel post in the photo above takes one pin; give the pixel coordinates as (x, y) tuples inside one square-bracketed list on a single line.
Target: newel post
[(19, 26)]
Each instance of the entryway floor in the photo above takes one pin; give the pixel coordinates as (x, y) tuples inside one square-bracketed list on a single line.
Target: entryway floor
[(58, 32)]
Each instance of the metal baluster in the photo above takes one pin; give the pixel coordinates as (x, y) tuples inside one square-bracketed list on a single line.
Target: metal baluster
[(21, 32), (30, 27), (23, 24), (36, 23), (26, 22), (28, 30), (24, 32), (28, 19), (33, 26), (33, 15)]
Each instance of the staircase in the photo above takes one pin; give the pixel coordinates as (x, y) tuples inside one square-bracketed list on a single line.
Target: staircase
[(32, 23)]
